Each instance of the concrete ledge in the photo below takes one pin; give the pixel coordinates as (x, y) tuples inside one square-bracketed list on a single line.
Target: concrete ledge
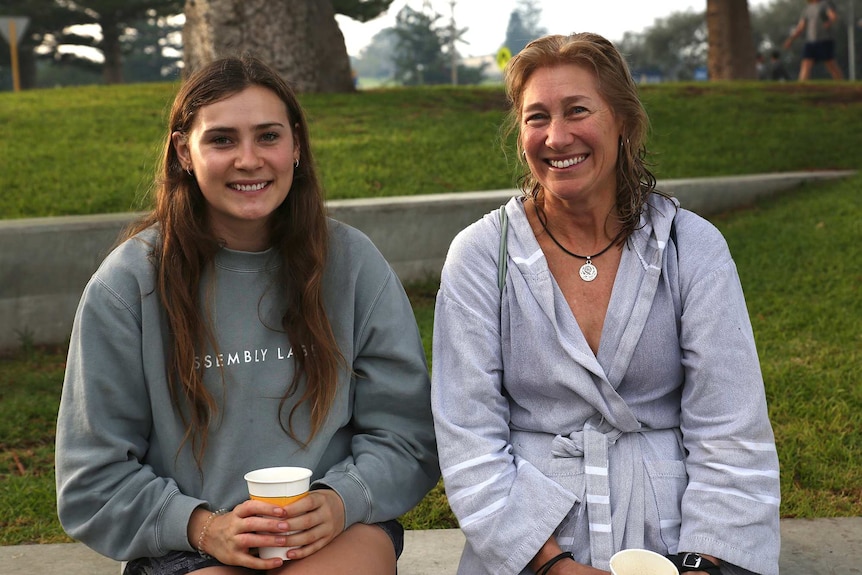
[(46, 262), (809, 547)]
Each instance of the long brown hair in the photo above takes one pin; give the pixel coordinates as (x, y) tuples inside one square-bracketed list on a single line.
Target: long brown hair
[(635, 182), (187, 246)]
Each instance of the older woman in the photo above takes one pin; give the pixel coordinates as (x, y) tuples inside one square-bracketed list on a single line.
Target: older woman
[(606, 394)]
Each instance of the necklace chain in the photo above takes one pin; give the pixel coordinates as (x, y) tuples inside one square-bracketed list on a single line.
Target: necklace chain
[(559, 245), (588, 271)]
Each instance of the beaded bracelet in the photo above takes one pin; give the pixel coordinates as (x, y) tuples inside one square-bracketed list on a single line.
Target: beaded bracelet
[(200, 546), (544, 569)]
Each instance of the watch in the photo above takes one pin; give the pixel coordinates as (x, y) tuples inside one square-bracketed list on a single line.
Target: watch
[(686, 562)]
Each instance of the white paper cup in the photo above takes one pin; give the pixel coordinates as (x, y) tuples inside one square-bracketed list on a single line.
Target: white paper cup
[(279, 486), (641, 562)]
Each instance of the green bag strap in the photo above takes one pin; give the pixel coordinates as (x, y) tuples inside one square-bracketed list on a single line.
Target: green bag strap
[(503, 256)]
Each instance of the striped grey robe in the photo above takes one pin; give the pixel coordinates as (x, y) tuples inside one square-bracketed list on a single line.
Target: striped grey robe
[(660, 441)]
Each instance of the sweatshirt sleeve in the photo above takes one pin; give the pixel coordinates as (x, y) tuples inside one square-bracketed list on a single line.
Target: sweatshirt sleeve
[(106, 497), (393, 461), (730, 508), (506, 507)]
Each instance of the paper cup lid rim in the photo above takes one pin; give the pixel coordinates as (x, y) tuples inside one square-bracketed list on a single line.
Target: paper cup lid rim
[(659, 563), (638, 550), (302, 473)]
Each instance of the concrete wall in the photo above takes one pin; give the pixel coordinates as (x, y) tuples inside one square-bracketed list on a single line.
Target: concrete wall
[(45, 262)]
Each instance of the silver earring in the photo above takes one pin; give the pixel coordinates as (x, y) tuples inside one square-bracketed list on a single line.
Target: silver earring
[(189, 171), (296, 163)]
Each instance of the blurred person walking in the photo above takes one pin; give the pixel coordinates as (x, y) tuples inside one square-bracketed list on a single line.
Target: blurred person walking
[(817, 22)]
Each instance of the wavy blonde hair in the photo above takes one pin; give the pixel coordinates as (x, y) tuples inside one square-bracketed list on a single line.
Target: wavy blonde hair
[(635, 182)]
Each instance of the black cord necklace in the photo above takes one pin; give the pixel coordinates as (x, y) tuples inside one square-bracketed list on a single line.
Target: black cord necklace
[(588, 271)]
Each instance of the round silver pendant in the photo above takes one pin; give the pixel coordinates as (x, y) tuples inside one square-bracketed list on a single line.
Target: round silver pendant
[(588, 272)]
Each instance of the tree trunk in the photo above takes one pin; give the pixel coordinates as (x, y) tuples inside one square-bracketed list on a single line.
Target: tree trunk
[(27, 67), (112, 71), (731, 44), (299, 38)]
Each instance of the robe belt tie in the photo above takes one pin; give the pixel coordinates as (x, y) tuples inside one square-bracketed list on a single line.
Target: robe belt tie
[(592, 444)]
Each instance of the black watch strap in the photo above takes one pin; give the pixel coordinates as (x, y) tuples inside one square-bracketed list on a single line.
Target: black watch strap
[(686, 562)]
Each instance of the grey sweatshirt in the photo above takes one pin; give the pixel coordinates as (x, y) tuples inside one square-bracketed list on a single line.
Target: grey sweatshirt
[(126, 487), (660, 441)]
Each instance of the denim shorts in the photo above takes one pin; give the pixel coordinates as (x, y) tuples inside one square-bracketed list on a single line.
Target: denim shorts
[(182, 562)]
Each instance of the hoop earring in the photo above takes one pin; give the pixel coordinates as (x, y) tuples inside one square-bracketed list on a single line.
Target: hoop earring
[(296, 163), (189, 172)]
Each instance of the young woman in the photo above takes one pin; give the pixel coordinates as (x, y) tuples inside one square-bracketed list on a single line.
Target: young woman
[(608, 394), (236, 328)]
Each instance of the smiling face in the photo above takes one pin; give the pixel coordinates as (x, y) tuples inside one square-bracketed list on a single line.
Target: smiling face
[(569, 134), (242, 151)]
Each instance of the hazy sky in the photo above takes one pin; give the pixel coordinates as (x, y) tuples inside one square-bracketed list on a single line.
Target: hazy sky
[(486, 20)]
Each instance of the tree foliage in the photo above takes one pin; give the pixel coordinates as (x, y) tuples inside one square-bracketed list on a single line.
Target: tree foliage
[(50, 21), (152, 50), (423, 45), (523, 25), (419, 46), (376, 59), (46, 17), (673, 48), (361, 10)]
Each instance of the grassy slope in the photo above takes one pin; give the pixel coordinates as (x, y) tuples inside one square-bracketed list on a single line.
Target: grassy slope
[(93, 149)]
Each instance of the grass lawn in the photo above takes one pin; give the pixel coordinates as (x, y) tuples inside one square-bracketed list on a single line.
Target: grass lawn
[(89, 150)]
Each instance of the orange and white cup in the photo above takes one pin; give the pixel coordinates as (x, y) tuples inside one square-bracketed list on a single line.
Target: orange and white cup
[(641, 562), (278, 486)]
